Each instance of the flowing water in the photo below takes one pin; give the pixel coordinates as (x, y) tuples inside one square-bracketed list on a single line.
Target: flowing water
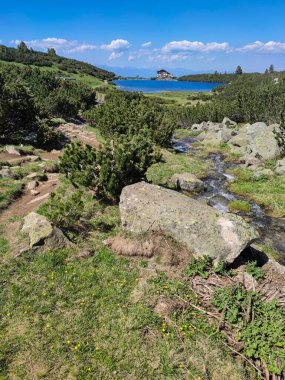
[(271, 230)]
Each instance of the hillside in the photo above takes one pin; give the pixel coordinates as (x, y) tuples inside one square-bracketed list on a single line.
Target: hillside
[(23, 55)]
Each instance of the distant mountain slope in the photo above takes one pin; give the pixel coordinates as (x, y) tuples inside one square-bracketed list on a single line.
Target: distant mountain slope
[(22, 54)]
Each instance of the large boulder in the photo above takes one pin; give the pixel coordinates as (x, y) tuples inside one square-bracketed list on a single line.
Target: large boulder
[(240, 140), (43, 233), (201, 228), (263, 143), (188, 182), (218, 136)]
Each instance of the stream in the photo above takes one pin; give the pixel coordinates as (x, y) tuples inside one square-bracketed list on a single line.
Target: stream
[(217, 195)]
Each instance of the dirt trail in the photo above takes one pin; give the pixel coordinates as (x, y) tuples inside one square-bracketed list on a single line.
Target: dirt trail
[(28, 202), (72, 131)]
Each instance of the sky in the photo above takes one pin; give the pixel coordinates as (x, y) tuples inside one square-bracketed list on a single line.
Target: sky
[(140, 37)]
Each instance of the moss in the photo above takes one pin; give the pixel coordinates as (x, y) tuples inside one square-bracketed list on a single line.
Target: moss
[(268, 192), (239, 205), (174, 163)]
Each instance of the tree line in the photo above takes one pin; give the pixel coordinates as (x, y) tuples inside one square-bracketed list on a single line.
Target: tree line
[(22, 54)]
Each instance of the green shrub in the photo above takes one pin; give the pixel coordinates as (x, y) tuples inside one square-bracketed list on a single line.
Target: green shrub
[(47, 137), (118, 163), (64, 212), (254, 270), (129, 113), (258, 324)]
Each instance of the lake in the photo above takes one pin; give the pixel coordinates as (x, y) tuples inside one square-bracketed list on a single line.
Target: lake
[(147, 85)]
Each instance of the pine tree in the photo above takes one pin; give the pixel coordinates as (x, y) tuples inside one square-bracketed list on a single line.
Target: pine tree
[(52, 52), (23, 48), (271, 69), (238, 70)]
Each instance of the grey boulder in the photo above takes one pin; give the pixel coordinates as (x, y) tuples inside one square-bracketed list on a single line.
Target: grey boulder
[(188, 182), (42, 233), (201, 228)]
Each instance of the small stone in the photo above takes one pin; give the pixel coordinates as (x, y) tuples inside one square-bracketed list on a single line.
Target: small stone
[(42, 232), (32, 185), (5, 172), (33, 158), (10, 149), (188, 182), (35, 192), (32, 175)]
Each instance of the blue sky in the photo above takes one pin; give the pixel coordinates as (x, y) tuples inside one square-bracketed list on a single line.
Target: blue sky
[(139, 37)]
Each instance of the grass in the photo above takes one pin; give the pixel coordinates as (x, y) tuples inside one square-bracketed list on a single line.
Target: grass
[(239, 205), (99, 136), (183, 133), (82, 78), (64, 316), (9, 191), (268, 192), (174, 163), (181, 97)]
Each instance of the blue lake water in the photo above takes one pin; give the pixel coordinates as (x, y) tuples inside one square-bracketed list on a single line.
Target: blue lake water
[(145, 85)]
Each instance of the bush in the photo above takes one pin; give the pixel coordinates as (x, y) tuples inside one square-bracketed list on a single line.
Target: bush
[(47, 137), (129, 113), (120, 162), (65, 213), (258, 324)]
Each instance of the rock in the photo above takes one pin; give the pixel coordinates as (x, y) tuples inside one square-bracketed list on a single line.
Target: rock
[(35, 192), (188, 182), (280, 167), (10, 149), (32, 185), (199, 127), (246, 280), (5, 172), (201, 228), (32, 175), (43, 233), (201, 136), (252, 162), (264, 144), (240, 140), (262, 173), (254, 130), (213, 138), (228, 122), (33, 158), (218, 136)]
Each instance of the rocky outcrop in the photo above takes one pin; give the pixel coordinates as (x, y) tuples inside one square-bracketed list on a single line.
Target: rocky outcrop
[(229, 123), (280, 167), (5, 172), (201, 228), (262, 142), (42, 233), (188, 182), (10, 149)]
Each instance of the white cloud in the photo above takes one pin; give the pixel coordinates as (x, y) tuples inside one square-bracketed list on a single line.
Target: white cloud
[(146, 44), (169, 58), (50, 42), (115, 55), (81, 48), (267, 47), (117, 45), (67, 46), (185, 45)]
